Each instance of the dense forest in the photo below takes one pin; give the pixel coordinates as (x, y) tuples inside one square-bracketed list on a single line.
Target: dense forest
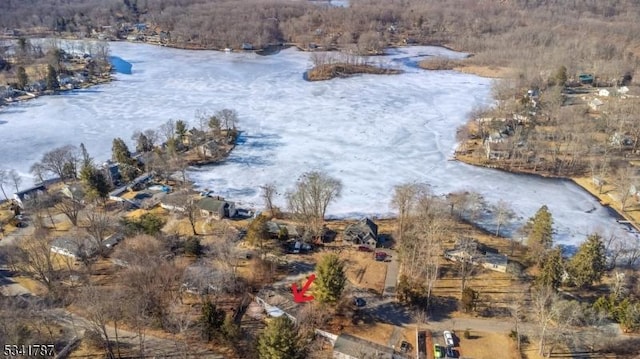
[(531, 36)]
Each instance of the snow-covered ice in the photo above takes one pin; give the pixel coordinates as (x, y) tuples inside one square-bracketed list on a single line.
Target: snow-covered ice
[(372, 132)]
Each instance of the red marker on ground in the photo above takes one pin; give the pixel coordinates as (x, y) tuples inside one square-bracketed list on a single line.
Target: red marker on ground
[(298, 296)]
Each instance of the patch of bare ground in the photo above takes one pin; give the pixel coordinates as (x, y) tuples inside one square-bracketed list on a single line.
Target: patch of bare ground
[(481, 345), (330, 71), (443, 63), (606, 195), (485, 71)]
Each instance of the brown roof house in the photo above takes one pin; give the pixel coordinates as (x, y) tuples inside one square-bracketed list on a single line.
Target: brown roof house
[(217, 208), (365, 231)]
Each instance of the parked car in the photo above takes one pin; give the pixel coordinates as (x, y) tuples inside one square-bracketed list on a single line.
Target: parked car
[(448, 338), (364, 249), (451, 353), (438, 351), (359, 302), (381, 256), (405, 346)]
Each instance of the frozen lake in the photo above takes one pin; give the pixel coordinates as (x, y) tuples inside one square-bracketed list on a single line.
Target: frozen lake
[(372, 132)]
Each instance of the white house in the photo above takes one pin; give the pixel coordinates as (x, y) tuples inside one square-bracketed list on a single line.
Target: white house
[(603, 93)]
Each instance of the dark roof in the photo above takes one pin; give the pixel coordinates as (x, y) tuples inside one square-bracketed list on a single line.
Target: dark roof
[(112, 240), (361, 348), (211, 204), (362, 230), (29, 191)]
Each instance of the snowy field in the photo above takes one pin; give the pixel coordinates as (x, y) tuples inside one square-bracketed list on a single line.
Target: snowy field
[(371, 132)]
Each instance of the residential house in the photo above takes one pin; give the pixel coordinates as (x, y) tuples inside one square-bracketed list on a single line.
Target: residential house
[(217, 208), (277, 302), (29, 193), (73, 191), (209, 149), (75, 248), (364, 232), (111, 172), (6, 92), (497, 150), (247, 46), (470, 251), (194, 137), (623, 90), (350, 347), (603, 92), (176, 201), (274, 229), (139, 182)]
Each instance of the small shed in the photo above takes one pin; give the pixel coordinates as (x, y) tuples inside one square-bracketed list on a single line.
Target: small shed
[(585, 79)]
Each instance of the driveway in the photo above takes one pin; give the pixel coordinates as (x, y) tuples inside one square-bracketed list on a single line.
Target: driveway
[(391, 279)]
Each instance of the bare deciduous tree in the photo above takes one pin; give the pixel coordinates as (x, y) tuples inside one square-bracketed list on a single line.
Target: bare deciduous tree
[(59, 161), (33, 256), (71, 208), (4, 177), (403, 200), (98, 223), (268, 191), (310, 198), (16, 179), (503, 214)]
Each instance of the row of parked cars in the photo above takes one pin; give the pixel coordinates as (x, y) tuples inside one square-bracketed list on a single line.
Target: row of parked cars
[(447, 351)]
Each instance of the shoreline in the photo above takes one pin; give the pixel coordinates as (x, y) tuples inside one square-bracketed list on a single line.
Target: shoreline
[(580, 182), (33, 96)]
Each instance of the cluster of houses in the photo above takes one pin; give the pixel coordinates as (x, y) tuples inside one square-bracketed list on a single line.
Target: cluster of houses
[(77, 79)]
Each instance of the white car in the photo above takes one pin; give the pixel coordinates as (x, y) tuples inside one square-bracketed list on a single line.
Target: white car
[(448, 338)]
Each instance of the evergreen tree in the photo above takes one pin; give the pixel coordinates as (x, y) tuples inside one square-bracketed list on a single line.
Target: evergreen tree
[(561, 76), (211, 320), (181, 130), (589, 263), (52, 78), (120, 152), (551, 269), (23, 79), (539, 231), (331, 279), (93, 179), (280, 340)]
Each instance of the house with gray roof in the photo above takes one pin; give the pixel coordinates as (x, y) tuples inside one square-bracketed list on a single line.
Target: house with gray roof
[(350, 347), (470, 251), (364, 232), (217, 208), (75, 248)]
